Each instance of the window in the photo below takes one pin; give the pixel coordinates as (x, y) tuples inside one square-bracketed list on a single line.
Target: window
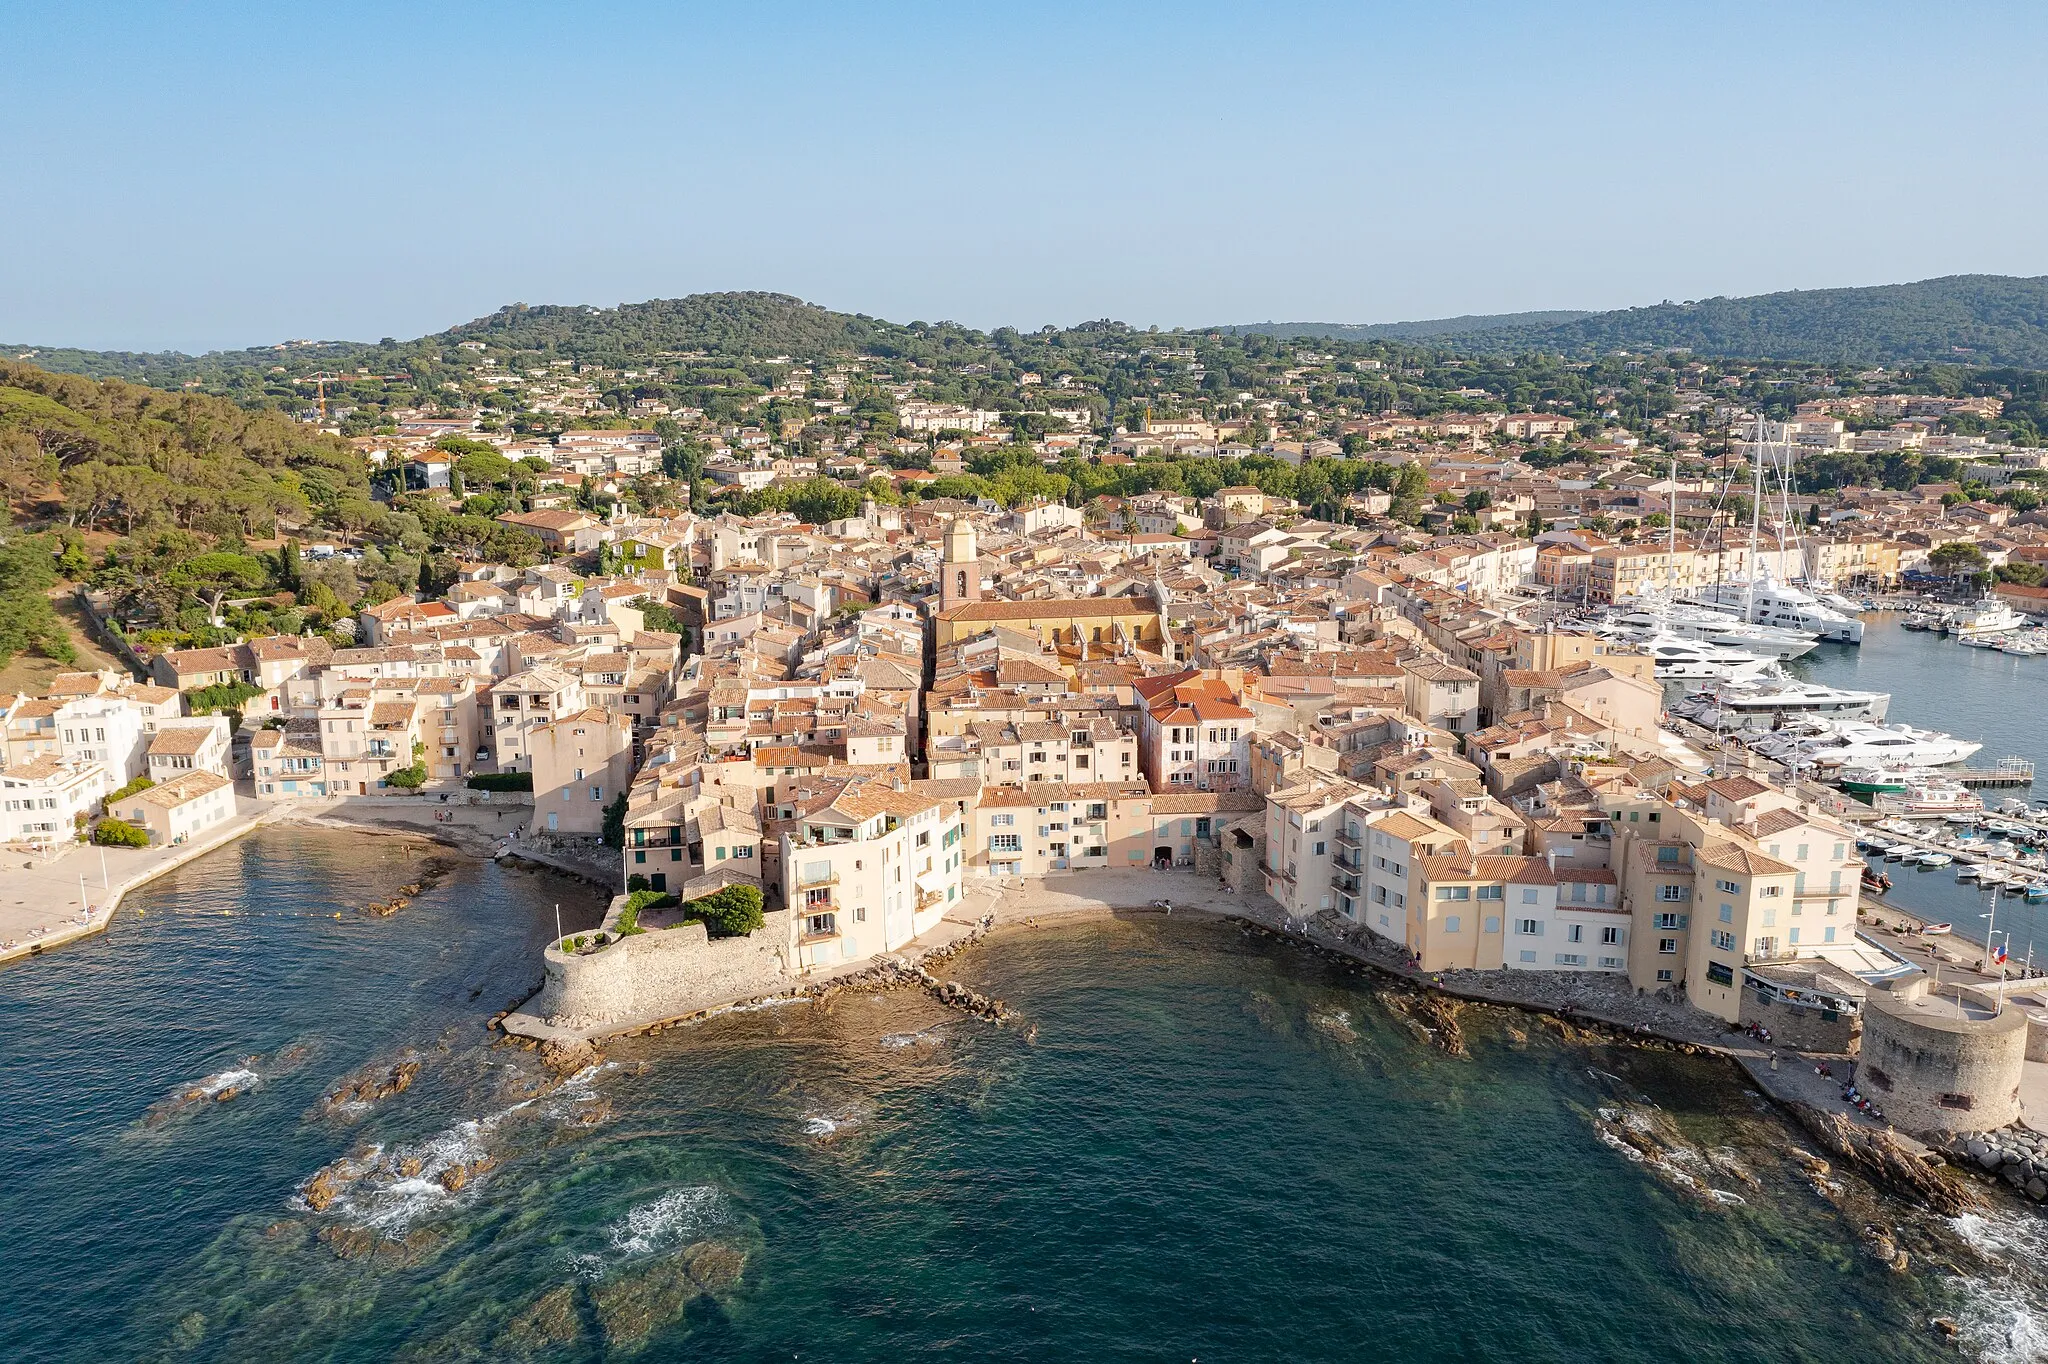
[(1529, 928), (1727, 914), (1575, 933), (1723, 942), (1720, 973), (1664, 977), (1610, 937), (1528, 956), (1667, 947), (1006, 843), (1493, 923), (1321, 848), (1959, 1101), (1728, 887), (1492, 892), (1667, 855), (1528, 896), (1667, 921), (1570, 959), (1002, 821), (1451, 922), (1671, 894)]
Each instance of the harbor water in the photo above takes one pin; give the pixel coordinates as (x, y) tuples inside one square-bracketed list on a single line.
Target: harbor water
[(1935, 683), (1194, 1142)]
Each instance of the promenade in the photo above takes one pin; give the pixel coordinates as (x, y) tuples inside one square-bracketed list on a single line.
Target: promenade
[(48, 901)]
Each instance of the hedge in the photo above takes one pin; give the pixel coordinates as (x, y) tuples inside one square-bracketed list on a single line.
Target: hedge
[(501, 781)]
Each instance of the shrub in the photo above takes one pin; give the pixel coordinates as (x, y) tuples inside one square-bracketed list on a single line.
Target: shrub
[(636, 882), (501, 781), (221, 696), (139, 784), (119, 833), (730, 913)]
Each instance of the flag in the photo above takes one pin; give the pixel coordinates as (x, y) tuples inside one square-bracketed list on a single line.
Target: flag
[(1999, 956)]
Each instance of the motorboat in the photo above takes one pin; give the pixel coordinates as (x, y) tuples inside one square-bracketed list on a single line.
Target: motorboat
[(1935, 796), (2037, 890), (1934, 858), (1766, 601), (1859, 743), (1648, 616), (1988, 618), (1684, 660), (1772, 698)]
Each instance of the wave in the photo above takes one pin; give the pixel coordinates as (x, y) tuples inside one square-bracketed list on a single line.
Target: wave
[(2003, 1315), (657, 1227), (924, 1037)]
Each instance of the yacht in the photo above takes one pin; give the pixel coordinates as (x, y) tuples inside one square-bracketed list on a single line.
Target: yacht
[(1682, 660), (1984, 621), (1647, 616), (1771, 698), (1859, 743), (1935, 796), (1766, 601)]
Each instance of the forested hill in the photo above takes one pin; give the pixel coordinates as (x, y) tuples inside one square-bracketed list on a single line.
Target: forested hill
[(1998, 320), (120, 456), (736, 324), (1401, 331)]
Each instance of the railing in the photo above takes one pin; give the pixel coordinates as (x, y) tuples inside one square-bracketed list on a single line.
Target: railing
[(804, 882)]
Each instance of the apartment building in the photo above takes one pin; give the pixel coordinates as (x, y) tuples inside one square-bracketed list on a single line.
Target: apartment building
[(290, 763), (867, 870), (522, 703), (580, 764), (197, 743), (42, 801), (176, 810), (1194, 732)]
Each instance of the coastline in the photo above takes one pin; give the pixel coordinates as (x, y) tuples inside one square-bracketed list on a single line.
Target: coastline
[(100, 915)]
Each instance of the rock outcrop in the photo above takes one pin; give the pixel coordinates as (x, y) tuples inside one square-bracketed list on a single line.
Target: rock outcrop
[(374, 1083), (1886, 1161)]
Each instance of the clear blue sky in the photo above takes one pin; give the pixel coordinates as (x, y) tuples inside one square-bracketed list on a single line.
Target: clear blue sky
[(199, 174)]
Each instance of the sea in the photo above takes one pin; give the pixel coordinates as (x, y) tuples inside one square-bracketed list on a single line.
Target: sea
[(1998, 699), (1192, 1143)]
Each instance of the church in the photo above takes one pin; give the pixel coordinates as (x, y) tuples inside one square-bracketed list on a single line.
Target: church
[(1099, 626)]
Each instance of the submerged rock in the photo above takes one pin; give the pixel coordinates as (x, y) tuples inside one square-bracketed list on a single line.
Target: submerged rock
[(551, 1320), (374, 1083), (566, 1058)]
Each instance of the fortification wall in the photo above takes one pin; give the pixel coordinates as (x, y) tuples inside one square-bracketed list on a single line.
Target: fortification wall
[(662, 973), (1934, 1072)]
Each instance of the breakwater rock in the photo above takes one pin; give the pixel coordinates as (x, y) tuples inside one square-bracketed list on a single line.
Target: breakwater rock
[(2013, 1154), (1885, 1160), (1436, 1015)]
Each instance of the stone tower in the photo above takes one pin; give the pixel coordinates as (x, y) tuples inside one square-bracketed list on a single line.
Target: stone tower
[(960, 573)]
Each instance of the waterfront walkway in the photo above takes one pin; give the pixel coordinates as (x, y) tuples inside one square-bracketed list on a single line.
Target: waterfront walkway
[(44, 905)]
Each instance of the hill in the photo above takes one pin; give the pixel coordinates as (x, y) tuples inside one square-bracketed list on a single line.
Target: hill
[(731, 324), (1998, 320), (1402, 331)]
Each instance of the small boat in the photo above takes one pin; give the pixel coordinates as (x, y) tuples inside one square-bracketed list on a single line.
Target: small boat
[(1936, 930), (2037, 891), (1966, 872), (1934, 859)]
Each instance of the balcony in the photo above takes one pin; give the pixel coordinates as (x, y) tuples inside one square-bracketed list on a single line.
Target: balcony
[(1350, 840), (805, 882), (1355, 863), (929, 899)]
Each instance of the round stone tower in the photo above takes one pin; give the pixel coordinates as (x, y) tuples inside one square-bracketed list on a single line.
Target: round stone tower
[(1935, 1065)]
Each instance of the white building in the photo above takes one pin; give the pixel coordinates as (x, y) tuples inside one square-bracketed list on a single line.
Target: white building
[(41, 800), (868, 871)]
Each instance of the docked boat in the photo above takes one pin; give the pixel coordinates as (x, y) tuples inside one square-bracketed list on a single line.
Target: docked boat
[(1845, 744), (1926, 621), (1691, 660), (1934, 857), (1772, 698), (1937, 930), (2038, 890), (1984, 621), (1766, 601), (1935, 796), (1645, 617)]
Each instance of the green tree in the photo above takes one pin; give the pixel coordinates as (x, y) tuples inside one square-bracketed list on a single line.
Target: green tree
[(119, 833), (614, 832), (1957, 559), (729, 913)]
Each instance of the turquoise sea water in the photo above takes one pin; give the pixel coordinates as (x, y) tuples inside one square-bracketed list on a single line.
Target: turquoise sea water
[(1195, 1144)]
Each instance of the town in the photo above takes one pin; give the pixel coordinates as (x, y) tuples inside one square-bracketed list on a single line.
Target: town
[(815, 669)]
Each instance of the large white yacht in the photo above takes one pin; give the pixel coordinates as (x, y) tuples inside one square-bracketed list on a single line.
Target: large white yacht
[(1859, 743), (1645, 616), (1684, 660), (1769, 700), (1766, 601)]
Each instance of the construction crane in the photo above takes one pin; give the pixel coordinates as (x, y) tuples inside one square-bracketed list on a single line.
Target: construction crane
[(324, 378)]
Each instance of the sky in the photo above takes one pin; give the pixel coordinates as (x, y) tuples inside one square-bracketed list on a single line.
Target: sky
[(201, 174)]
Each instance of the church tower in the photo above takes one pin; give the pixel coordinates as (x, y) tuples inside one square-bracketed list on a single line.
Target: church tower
[(960, 573)]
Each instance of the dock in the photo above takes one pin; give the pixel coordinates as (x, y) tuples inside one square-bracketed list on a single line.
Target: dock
[(2007, 772)]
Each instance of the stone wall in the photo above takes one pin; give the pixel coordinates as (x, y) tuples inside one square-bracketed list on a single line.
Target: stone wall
[(658, 974), (1807, 1029), (1935, 1071)]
